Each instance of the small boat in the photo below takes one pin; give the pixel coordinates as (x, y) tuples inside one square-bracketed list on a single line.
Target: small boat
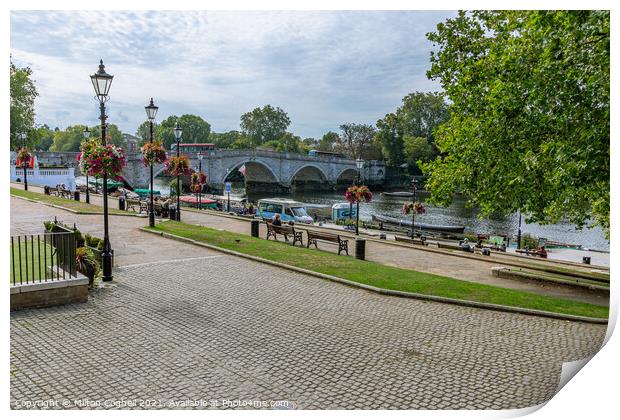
[(398, 194), (192, 201), (143, 192), (421, 226), (556, 244)]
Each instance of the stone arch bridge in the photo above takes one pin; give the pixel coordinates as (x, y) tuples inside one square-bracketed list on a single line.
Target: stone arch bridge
[(264, 169)]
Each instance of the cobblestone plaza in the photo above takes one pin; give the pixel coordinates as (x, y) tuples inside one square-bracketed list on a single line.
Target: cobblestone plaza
[(222, 328)]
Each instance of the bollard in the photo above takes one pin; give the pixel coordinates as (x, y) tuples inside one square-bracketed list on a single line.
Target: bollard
[(586, 260), (172, 212), (254, 228), (360, 248), (121, 203), (76, 195)]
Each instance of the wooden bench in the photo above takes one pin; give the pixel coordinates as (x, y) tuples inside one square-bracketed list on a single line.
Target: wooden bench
[(284, 230), (64, 193), (160, 210), (454, 247), (314, 236), (415, 241)]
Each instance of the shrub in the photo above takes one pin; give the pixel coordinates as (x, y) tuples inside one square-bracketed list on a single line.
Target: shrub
[(87, 264), (529, 241)]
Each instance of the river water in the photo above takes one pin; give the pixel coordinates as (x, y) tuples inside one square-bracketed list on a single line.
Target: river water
[(455, 214)]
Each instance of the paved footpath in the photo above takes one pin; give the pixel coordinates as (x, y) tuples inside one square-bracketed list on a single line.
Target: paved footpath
[(221, 328)]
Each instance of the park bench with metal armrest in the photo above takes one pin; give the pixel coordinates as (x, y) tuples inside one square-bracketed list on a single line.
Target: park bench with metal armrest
[(133, 205), (286, 231), (314, 236)]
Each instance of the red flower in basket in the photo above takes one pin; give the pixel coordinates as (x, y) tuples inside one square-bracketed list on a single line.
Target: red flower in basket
[(416, 207), (177, 166), (23, 157), (199, 178), (97, 159), (196, 188), (153, 153), (357, 194)]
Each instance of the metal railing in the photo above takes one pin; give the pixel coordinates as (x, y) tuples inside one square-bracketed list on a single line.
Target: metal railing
[(42, 257)]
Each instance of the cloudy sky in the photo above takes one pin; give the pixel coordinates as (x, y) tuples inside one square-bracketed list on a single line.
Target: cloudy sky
[(323, 68)]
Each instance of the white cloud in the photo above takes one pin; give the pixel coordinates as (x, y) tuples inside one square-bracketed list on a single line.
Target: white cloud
[(323, 68)]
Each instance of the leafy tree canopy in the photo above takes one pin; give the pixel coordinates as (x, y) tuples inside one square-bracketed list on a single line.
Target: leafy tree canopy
[(69, 140), (417, 150), (224, 140), (143, 132), (356, 141), (529, 122), (328, 141), (264, 124), (419, 116), (23, 93), (195, 129)]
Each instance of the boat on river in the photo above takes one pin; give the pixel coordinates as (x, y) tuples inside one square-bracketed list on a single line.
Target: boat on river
[(421, 226), (192, 201), (398, 194)]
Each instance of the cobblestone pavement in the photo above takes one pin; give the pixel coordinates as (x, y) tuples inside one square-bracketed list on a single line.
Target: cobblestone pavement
[(225, 328)]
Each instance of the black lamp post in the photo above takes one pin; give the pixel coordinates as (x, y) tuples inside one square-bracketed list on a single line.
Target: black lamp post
[(414, 190), (151, 111), (178, 132), (22, 137), (199, 171), (87, 136), (102, 82), (360, 164)]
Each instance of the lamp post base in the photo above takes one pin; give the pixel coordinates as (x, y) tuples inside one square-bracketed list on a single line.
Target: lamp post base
[(106, 259)]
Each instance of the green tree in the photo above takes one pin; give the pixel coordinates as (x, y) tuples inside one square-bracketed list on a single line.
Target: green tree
[(529, 125), (356, 141), (417, 150), (328, 141), (224, 140), (23, 93), (421, 113), (44, 137), (195, 129), (242, 143), (70, 139), (389, 138), (264, 124), (113, 135), (143, 132)]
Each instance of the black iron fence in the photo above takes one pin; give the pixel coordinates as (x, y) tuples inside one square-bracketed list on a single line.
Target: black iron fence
[(42, 257)]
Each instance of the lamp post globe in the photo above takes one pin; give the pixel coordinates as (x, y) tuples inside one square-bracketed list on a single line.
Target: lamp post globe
[(151, 112), (22, 137), (86, 133), (178, 132), (101, 83)]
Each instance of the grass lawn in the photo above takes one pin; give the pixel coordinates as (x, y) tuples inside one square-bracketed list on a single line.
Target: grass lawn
[(375, 274), (78, 206), (25, 253)]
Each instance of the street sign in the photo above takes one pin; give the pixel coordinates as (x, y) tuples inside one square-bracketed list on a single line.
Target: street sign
[(227, 187)]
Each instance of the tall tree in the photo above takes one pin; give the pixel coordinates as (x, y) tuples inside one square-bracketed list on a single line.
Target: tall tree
[(529, 125), (417, 150), (69, 139), (195, 129), (224, 140), (143, 132), (23, 93), (328, 141), (264, 124), (356, 141), (389, 138), (44, 137), (113, 135)]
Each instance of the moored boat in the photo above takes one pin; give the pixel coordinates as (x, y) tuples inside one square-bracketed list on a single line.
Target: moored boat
[(398, 194), (192, 201), (421, 226)]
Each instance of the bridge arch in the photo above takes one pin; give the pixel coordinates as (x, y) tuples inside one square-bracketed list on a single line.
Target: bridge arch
[(255, 171), (310, 173), (346, 176)]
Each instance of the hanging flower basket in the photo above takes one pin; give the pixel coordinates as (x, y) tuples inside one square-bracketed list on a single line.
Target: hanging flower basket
[(357, 194), (199, 178), (98, 160), (153, 153), (416, 207), (23, 157), (177, 166), (196, 188)]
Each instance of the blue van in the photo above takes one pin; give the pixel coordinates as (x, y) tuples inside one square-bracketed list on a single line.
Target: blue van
[(289, 210)]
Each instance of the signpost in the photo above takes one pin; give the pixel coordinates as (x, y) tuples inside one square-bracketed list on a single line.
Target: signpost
[(227, 188)]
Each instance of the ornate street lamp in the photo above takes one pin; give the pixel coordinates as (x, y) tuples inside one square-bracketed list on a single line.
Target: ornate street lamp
[(151, 111), (102, 82), (414, 190), (22, 137), (87, 136), (178, 132), (360, 164)]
